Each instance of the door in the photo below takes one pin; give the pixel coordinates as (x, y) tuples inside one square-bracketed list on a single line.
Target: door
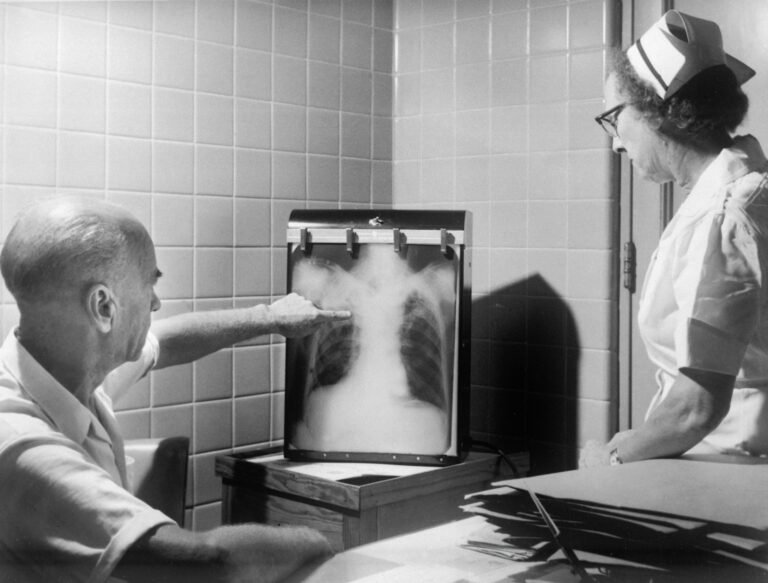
[(647, 207)]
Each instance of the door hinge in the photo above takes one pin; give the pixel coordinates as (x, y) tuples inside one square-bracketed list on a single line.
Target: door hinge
[(629, 267)]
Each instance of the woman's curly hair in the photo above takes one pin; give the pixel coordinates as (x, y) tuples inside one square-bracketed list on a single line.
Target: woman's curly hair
[(710, 104)]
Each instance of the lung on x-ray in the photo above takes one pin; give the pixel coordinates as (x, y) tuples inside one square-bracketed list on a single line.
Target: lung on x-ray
[(385, 385)]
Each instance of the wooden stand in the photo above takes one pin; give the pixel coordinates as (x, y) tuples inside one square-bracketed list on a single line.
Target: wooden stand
[(262, 486)]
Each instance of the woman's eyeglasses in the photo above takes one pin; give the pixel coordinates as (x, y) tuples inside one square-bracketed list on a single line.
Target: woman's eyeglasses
[(609, 119)]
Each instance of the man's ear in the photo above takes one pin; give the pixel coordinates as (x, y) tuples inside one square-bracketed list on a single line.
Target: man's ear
[(101, 307)]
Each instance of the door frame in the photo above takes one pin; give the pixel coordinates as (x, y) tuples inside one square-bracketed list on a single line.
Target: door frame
[(657, 209)]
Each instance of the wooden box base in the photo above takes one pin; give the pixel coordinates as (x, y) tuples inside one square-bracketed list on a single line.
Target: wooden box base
[(266, 488)]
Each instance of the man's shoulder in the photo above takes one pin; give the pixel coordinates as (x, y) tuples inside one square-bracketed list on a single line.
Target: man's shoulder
[(20, 417), (18, 427)]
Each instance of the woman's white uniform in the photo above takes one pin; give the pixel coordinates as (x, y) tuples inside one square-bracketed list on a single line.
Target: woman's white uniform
[(704, 303)]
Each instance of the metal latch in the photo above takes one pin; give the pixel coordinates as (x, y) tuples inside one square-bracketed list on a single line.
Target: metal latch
[(629, 266), (444, 241), (350, 241)]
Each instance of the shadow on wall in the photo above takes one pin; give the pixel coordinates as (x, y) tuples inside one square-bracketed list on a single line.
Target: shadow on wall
[(525, 371)]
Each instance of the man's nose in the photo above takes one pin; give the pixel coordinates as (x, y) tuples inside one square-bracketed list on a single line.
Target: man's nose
[(156, 303), (617, 146)]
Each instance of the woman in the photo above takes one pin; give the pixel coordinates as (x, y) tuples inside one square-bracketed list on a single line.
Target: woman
[(674, 101)]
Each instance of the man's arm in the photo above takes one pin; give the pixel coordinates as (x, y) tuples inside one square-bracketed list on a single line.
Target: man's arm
[(228, 554), (697, 402), (187, 337)]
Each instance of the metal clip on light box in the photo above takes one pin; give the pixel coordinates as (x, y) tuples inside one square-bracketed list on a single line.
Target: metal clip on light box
[(444, 241), (397, 239), (351, 241)]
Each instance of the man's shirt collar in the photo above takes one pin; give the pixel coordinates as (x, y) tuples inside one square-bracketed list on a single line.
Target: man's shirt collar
[(68, 414)]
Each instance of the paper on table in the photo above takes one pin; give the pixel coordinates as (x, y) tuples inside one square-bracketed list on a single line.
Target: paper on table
[(719, 492), (342, 470)]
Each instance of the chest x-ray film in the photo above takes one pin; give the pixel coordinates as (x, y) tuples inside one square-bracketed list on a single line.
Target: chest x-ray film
[(390, 384)]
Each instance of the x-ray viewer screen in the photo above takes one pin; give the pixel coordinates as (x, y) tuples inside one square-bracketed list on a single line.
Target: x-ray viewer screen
[(383, 381)]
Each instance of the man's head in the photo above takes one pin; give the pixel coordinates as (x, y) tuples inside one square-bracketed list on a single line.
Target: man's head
[(89, 258)]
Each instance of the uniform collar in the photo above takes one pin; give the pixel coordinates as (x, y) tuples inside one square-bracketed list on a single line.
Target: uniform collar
[(744, 156), (68, 414)]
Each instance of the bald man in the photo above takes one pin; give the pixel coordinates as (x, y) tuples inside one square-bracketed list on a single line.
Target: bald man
[(83, 274)]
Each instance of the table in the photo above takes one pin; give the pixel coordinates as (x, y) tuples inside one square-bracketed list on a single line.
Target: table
[(663, 520)]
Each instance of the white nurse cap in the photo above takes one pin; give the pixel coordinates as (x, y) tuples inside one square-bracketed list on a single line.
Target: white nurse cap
[(677, 48)]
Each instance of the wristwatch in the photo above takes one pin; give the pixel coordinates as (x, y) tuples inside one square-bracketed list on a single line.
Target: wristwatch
[(614, 458)]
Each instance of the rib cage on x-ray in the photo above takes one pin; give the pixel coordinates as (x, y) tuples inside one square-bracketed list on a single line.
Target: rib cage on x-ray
[(381, 381), (421, 351)]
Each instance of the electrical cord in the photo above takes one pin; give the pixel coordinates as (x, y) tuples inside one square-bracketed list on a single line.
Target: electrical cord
[(498, 450)]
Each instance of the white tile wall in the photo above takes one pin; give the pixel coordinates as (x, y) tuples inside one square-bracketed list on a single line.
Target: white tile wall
[(213, 119), (494, 107), (199, 117)]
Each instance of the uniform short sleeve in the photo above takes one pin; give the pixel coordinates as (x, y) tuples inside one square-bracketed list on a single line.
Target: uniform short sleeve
[(719, 293), (61, 517)]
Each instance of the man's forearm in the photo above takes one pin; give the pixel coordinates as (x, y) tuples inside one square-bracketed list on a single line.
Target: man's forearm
[(187, 337), (231, 554)]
